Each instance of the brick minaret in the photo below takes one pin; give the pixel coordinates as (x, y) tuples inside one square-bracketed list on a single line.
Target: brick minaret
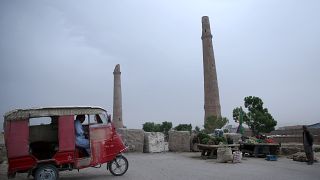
[(117, 98), (211, 90)]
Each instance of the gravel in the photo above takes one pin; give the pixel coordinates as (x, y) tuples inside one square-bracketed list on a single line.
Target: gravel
[(189, 166)]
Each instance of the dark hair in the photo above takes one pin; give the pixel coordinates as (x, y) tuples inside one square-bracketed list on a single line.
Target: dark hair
[(80, 116), (304, 127)]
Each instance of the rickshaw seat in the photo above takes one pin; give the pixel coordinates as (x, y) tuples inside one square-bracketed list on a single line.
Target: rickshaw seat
[(43, 150), (81, 152)]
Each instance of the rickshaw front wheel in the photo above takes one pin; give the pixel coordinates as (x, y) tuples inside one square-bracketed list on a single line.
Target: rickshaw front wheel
[(118, 166), (46, 172)]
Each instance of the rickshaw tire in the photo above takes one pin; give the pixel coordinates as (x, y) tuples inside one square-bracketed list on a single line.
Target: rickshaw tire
[(126, 162), (46, 166)]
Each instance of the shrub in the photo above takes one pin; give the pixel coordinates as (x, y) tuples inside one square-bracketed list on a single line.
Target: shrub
[(184, 127)]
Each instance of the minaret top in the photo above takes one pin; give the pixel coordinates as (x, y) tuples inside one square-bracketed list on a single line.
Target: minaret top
[(206, 31), (205, 19), (117, 69)]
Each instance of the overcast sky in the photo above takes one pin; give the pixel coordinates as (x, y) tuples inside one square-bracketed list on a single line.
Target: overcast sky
[(56, 53)]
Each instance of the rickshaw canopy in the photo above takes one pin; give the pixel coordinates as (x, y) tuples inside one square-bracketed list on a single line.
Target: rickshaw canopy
[(19, 114)]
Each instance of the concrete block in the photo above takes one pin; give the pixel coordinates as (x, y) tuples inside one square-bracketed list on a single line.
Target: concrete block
[(179, 141), (133, 138), (166, 146), (154, 142)]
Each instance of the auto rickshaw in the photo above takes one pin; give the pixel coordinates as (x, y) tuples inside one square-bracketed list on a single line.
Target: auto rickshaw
[(41, 142)]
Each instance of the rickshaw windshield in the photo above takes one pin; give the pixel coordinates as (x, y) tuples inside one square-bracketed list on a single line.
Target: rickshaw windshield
[(103, 118), (100, 118)]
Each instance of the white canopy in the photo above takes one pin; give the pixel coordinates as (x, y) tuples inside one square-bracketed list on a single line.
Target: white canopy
[(19, 114)]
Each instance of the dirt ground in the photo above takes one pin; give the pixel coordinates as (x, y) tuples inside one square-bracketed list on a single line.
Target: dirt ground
[(189, 166)]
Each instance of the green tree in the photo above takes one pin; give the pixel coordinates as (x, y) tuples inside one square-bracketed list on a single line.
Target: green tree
[(184, 127), (165, 127), (214, 122), (157, 128), (148, 127), (197, 129), (236, 114), (153, 127), (257, 118)]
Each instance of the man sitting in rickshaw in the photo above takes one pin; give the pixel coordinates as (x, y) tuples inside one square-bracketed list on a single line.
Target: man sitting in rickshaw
[(81, 140)]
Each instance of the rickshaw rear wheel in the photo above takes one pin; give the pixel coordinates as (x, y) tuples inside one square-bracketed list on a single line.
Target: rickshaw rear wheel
[(46, 171), (118, 166)]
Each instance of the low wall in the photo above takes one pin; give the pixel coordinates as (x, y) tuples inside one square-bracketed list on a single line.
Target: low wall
[(292, 148), (290, 135)]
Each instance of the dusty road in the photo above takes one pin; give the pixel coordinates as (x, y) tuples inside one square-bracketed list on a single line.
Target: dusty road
[(188, 166)]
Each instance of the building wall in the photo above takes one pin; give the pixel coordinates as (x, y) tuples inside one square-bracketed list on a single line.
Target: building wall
[(290, 135)]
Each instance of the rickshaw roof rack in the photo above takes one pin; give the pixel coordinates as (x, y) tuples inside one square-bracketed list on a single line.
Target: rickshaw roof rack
[(19, 114)]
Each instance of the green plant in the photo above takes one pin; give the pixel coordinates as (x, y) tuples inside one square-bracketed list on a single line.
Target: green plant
[(217, 140), (184, 127), (205, 140), (148, 127), (153, 127), (202, 138), (165, 127)]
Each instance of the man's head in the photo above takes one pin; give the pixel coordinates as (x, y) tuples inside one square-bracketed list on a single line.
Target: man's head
[(304, 128), (81, 117)]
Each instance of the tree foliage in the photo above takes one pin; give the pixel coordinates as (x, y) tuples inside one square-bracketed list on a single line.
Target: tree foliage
[(204, 138), (257, 118), (197, 129), (153, 127), (165, 127), (183, 127), (213, 122)]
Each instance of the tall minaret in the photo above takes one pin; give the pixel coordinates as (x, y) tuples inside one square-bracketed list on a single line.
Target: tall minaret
[(211, 90), (117, 98)]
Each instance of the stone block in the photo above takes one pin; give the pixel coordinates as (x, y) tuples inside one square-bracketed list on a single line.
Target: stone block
[(166, 146), (132, 138), (3, 153), (154, 142), (179, 141)]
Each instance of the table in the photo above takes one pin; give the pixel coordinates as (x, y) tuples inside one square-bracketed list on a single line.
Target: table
[(260, 149), (210, 151)]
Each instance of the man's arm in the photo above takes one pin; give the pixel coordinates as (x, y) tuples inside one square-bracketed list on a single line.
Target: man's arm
[(78, 128)]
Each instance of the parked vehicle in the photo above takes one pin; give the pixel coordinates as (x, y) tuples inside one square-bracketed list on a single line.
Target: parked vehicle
[(41, 142)]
